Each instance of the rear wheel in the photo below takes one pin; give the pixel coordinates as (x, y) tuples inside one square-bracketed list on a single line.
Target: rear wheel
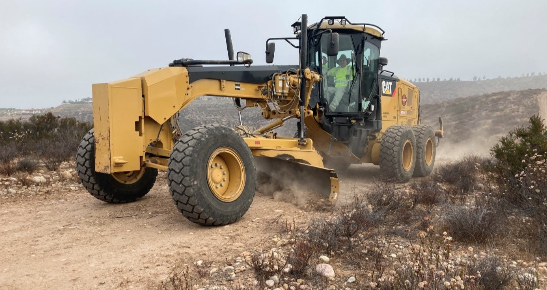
[(425, 150), (120, 187), (398, 153), (212, 175)]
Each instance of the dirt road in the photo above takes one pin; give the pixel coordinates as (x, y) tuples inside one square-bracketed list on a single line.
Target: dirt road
[(67, 239)]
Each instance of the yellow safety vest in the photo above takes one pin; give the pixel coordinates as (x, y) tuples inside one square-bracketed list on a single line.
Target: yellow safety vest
[(341, 76)]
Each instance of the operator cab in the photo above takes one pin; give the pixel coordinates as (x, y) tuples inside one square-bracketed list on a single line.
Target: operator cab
[(347, 98)]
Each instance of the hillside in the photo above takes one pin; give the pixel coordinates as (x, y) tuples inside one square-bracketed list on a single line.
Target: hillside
[(475, 124), (80, 111), (438, 91)]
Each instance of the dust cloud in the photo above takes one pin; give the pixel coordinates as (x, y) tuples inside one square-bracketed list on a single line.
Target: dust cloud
[(477, 144)]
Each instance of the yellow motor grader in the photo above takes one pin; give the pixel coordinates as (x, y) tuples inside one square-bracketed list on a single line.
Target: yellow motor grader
[(362, 115)]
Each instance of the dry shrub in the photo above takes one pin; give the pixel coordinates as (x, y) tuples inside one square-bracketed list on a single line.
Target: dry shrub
[(427, 191), (282, 226), (7, 168), (23, 178), (203, 268), (179, 279), (527, 279), (267, 264), (494, 275), (427, 264), (335, 233), (27, 165), (8, 153), (53, 152), (386, 197), (325, 235), (355, 217), (299, 258), (542, 240), (462, 175), (472, 223), (53, 139)]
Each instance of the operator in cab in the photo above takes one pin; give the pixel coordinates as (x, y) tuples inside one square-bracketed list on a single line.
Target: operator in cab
[(342, 75)]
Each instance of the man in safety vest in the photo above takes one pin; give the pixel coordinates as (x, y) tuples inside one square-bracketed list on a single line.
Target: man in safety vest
[(342, 74)]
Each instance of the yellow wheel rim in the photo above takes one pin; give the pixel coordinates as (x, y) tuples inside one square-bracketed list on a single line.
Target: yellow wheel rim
[(226, 174), (428, 152), (408, 155), (129, 177)]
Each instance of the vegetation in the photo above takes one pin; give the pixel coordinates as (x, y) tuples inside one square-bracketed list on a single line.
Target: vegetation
[(521, 175), (42, 138), (515, 150)]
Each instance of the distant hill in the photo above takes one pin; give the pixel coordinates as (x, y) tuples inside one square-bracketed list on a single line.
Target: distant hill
[(80, 111), (438, 91), (474, 124)]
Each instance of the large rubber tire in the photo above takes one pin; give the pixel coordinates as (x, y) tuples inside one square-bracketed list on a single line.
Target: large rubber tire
[(204, 190), (425, 150), (398, 153), (120, 187)]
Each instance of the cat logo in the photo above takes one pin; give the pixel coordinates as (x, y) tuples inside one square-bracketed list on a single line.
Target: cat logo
[(388, 88)]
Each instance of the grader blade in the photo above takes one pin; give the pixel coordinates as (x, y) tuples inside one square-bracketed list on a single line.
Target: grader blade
[(286, 174)]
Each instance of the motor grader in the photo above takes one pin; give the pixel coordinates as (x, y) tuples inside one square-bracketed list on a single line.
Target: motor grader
[(211, 169)]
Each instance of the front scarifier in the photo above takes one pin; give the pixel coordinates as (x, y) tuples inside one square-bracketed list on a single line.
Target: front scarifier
[(212, 175)]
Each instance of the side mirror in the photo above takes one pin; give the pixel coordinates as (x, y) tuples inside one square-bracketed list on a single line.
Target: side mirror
[(334, 44), (270, 51), (383, 61)]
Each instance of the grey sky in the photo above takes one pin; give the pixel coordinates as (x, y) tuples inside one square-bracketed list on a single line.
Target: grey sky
[(52, 50)]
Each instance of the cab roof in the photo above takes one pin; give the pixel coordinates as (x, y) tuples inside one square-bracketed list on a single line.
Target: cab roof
[(341, 23)]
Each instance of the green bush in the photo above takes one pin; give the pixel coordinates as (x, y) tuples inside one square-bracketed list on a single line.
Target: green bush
[(521, 175), (520, 143), (522, 165)]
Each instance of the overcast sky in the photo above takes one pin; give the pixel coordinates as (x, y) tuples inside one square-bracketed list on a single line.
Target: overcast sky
[(52, 50)]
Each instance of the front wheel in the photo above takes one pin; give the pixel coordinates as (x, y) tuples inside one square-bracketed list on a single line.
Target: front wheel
[(119, 187), (398, 153), (212, 175)]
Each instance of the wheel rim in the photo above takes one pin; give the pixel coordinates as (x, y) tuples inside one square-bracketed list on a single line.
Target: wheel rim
[(429, 152), (407, 155), (129, 177), (226, 174)]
